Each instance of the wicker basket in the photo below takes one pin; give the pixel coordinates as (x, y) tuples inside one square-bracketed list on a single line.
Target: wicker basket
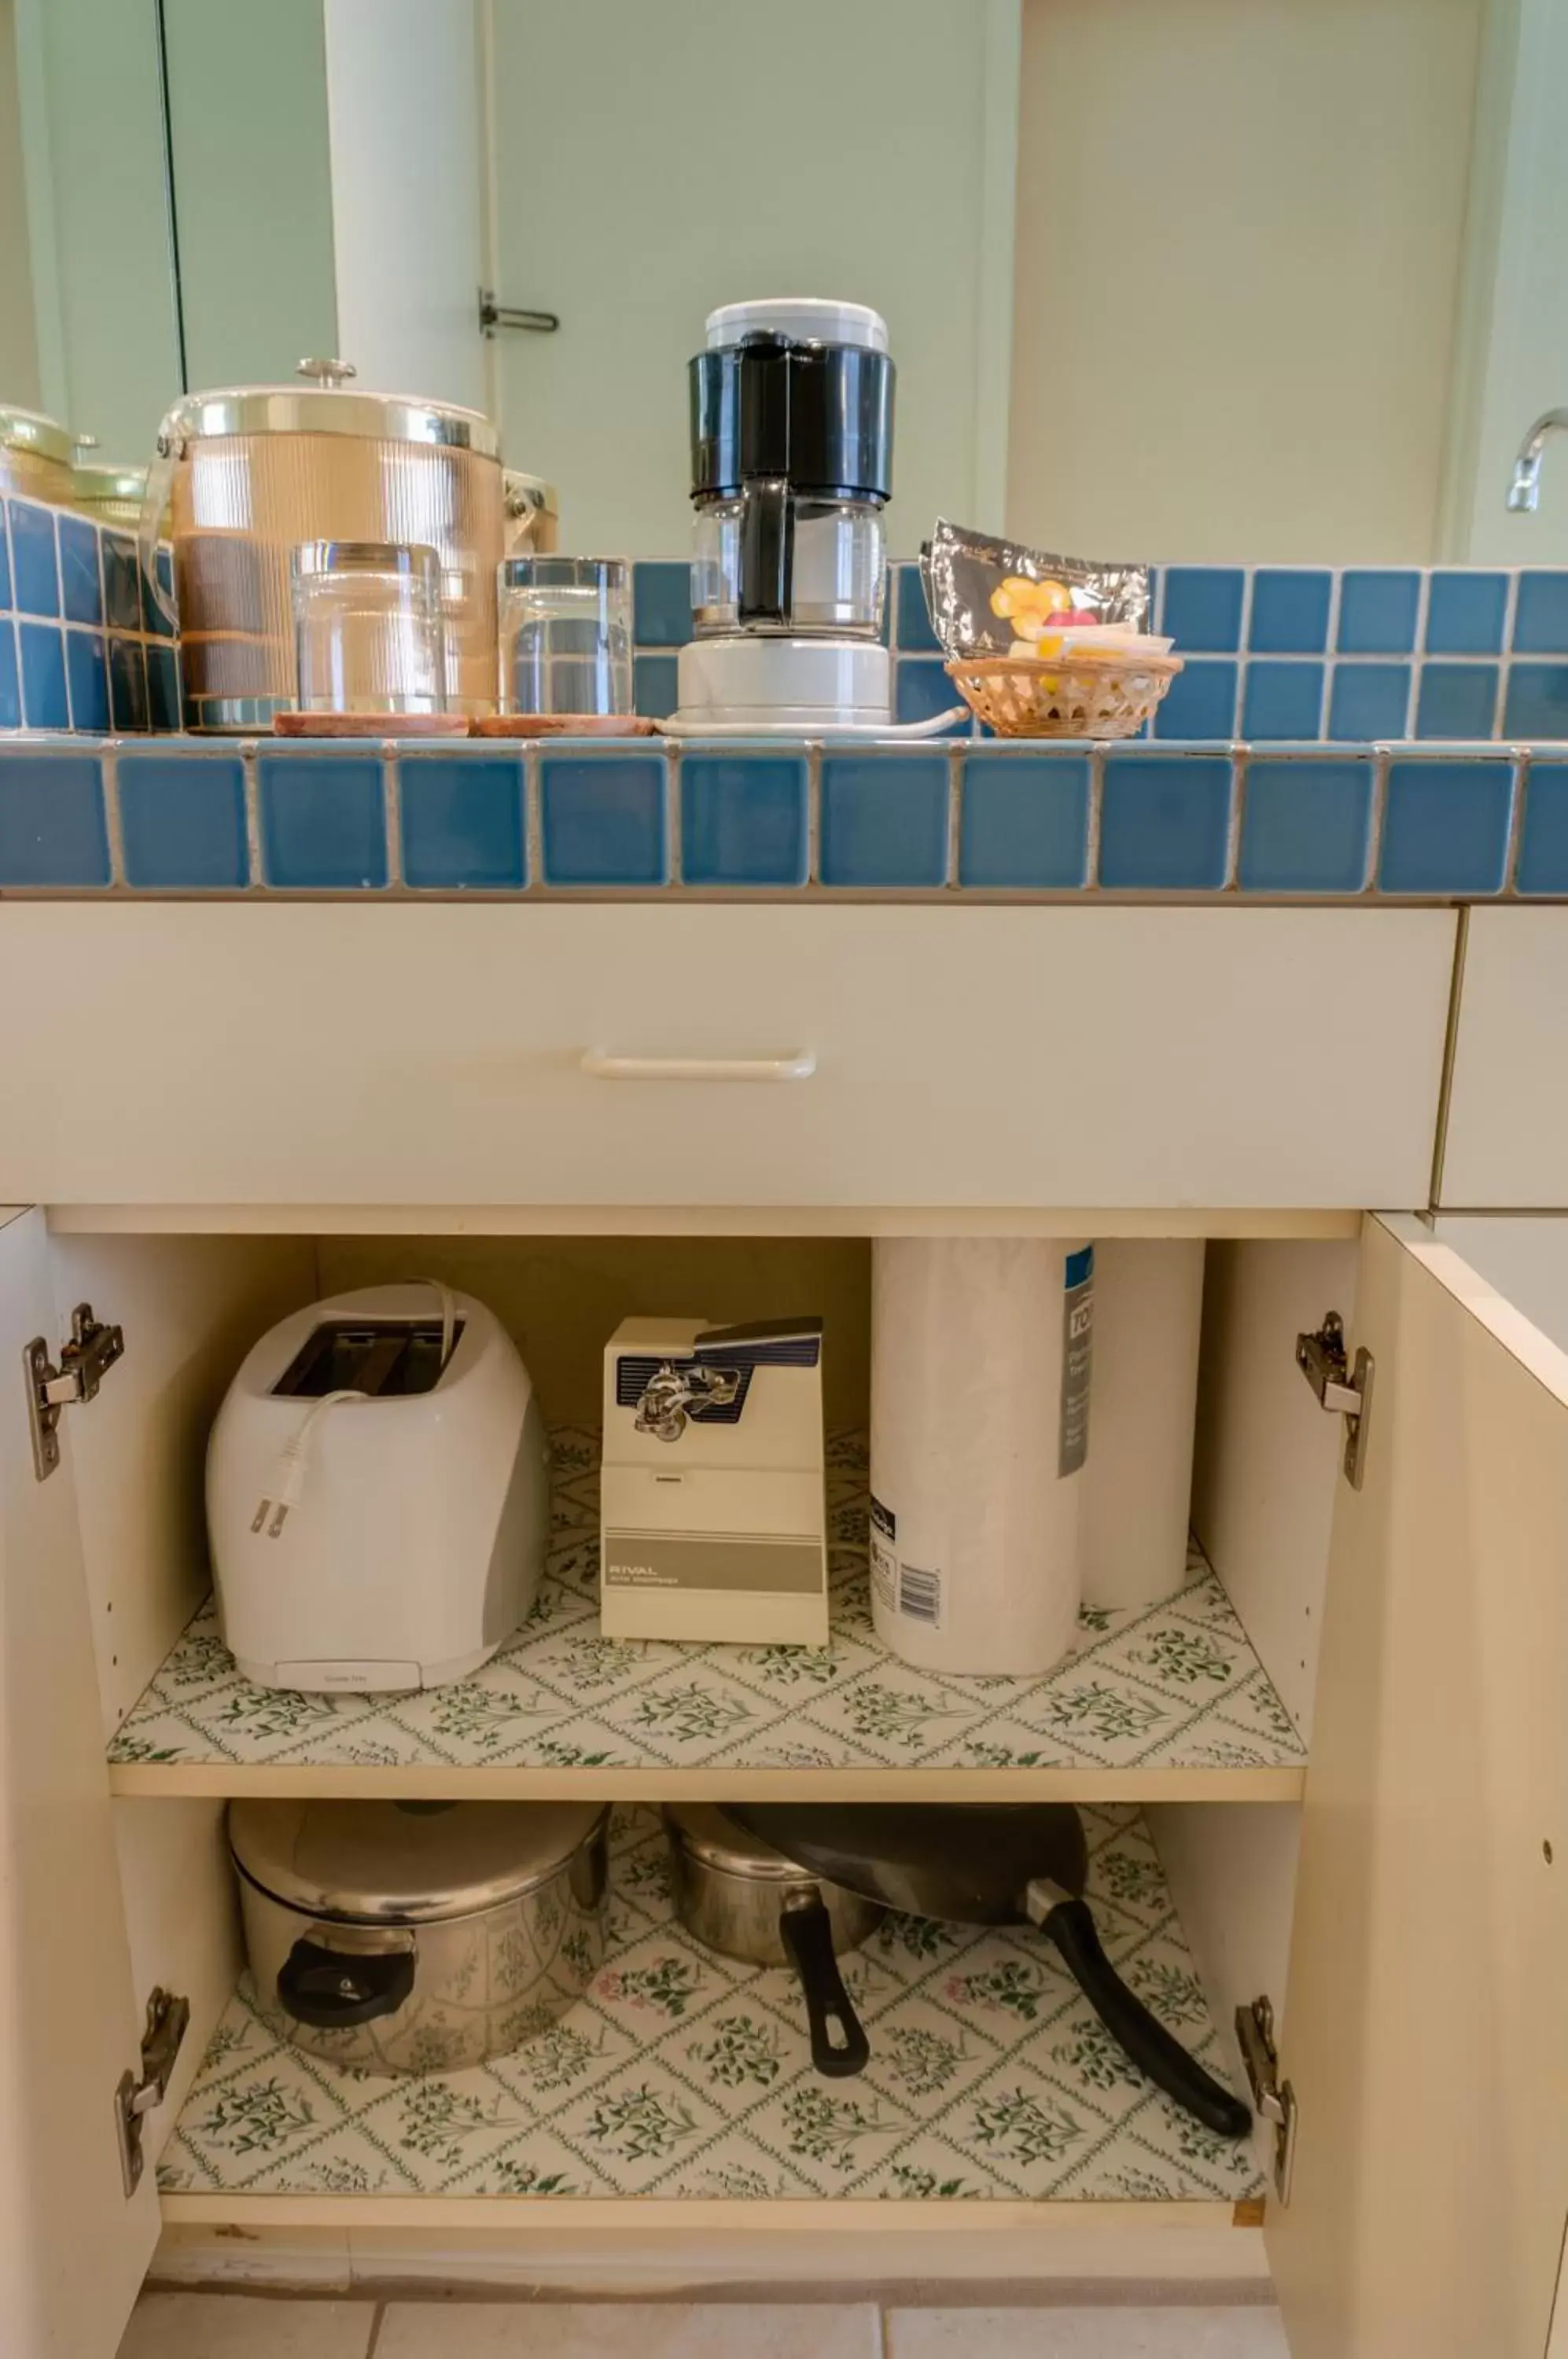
[(1058, 698)]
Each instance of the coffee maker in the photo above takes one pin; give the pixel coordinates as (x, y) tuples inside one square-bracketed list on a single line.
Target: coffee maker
[(791, 467)]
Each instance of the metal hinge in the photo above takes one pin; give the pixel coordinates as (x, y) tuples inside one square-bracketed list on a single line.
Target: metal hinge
[(167, 2020), (1344, 1391), (494, 315), (1273, 2100), (92, 1349)]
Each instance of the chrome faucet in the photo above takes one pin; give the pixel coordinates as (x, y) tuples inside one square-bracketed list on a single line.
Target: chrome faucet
[(1524, 492)]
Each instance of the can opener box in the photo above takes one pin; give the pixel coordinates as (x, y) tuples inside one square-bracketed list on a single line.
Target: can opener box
[(712, 1500)]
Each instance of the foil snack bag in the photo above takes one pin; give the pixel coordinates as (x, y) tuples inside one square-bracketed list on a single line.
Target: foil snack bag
[(990, 597)]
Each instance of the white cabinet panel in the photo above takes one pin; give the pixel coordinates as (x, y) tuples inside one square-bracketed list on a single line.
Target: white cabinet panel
[(602, 1054), (1507, 1118)]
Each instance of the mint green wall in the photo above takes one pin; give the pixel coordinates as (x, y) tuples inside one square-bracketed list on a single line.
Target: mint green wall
[(247, 105), (18, 336)]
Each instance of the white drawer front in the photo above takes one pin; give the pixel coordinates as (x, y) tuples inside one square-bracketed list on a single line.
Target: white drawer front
[(1507, 1118), (703, 1054)]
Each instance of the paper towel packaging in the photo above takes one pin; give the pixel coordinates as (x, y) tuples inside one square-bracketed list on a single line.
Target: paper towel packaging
[(981, 1351), (1138, 1485)]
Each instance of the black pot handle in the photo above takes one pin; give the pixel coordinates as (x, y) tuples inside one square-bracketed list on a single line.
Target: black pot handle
[(327, 1987), (1146, 2041), (806, 1931)]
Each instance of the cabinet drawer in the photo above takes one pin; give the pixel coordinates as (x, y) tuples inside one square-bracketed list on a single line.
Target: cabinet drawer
[(610, 1054), (1507, 1120)]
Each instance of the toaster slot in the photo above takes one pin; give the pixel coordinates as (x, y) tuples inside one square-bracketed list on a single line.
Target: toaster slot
[(379, 1357)]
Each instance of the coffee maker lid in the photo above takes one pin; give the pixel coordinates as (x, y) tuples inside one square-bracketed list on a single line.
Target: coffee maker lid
[(807, 318)]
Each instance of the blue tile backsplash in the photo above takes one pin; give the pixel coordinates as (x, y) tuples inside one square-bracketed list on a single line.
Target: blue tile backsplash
[(76, 651)]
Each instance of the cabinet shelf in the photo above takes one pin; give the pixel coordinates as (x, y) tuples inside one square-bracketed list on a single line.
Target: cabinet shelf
[(682, 2079), (1168, 1703)]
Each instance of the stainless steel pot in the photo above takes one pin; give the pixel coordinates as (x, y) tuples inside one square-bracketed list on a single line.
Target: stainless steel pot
[(739, 1895), (416, 1937), (251, 471)]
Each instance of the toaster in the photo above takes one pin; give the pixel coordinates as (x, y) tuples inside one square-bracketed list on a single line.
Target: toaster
[(378, 1493), (712, 1489)]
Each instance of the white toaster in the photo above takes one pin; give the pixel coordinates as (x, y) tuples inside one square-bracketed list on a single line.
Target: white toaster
[(378, 1493)]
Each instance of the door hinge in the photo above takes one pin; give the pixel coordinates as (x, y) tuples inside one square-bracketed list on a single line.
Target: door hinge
[(167, 2020), (92, 1348), (1344, 1391), (1273, 2100), (494, 315)]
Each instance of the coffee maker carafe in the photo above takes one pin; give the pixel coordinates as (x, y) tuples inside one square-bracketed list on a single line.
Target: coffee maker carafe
[(791, 467)]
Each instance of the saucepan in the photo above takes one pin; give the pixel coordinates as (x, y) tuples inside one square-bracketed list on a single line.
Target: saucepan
[(994, 1863)]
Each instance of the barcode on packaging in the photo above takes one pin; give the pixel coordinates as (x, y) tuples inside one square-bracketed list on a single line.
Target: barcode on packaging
[(919, 1595)]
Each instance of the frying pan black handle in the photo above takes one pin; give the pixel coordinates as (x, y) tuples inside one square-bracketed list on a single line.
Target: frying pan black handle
[(1146, 2041), (329, 1988), (806, 1931)]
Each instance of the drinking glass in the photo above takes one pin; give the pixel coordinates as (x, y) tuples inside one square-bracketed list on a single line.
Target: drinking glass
[(367, 627), (565, 634)]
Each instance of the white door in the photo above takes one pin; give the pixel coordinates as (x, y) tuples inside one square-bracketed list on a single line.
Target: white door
[(652, 162), (1426, 2021), (73, 2249)]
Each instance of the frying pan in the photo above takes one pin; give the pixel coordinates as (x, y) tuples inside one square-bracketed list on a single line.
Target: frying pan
[(994, 1864)]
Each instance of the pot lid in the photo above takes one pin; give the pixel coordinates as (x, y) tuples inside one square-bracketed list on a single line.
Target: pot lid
[(404, 1862), (715, 1840), (323, 405), (28, 430)]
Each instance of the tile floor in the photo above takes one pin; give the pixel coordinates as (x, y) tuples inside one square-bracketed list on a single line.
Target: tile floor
[(249, 2326)]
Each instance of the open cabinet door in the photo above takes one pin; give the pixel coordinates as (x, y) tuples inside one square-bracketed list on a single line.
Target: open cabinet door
[(73, 2249), (1426, 2023)]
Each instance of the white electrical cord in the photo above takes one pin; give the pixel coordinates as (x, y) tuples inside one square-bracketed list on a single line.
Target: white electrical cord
[(289, 1484)]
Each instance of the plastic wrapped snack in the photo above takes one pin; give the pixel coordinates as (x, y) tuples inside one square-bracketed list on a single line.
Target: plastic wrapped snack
[(990, 597)]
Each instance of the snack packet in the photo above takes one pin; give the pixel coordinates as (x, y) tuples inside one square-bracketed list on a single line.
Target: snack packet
[(990, 597)]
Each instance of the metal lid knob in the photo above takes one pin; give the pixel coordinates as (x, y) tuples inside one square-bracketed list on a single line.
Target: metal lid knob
[(326, 372)]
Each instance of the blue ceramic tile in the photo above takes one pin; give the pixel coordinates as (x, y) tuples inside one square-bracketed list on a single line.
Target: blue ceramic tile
[(1199, 702), (1304, 826), (1369, 700), (127, 684), (10, 683), (182, 820), (1465, 614), (1446, 827), (43, 702), (743, 819), (1540, 617), (87, 677), (1456, 700), (1289, 613), (922, 689), (884, 819), (35, 569), (51, 821), (661, 604), (321, 821), (163, 622), (915, 633), (122, 583), (1377, 612), (80, 588), (1203, 608), (1025, 820), (1543, 838), (5, 561), (604, 819), (463, 822), (1165, 822), (1283, 700), (655, 692), (1537, 701), (163, 688)]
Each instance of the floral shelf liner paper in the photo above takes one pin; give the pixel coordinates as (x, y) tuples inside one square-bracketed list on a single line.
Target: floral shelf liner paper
[(681, 2074), (1172, 1686)]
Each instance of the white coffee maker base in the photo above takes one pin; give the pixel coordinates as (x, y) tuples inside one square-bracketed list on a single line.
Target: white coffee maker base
[(753, 680)]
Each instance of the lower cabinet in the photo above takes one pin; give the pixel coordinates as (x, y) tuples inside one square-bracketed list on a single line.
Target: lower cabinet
[(1329, 1771)]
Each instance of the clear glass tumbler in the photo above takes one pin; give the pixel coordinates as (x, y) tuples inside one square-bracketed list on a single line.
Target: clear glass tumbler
[(368, 633), (565, 634)]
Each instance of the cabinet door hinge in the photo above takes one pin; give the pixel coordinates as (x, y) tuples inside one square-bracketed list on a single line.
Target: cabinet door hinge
[(1273, 2100), (1344, 1391), (91, 1349), (167, 2019)]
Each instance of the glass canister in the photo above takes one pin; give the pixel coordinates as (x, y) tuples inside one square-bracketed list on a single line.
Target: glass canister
[(367, 627), (566, 635), (837, 567), (35, 456)]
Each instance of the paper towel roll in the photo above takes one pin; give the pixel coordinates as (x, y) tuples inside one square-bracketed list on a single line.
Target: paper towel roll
[(1138, 1485), (980, 1361)]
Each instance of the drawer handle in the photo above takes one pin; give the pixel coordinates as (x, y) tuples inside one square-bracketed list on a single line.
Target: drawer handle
[(602, 1066)]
